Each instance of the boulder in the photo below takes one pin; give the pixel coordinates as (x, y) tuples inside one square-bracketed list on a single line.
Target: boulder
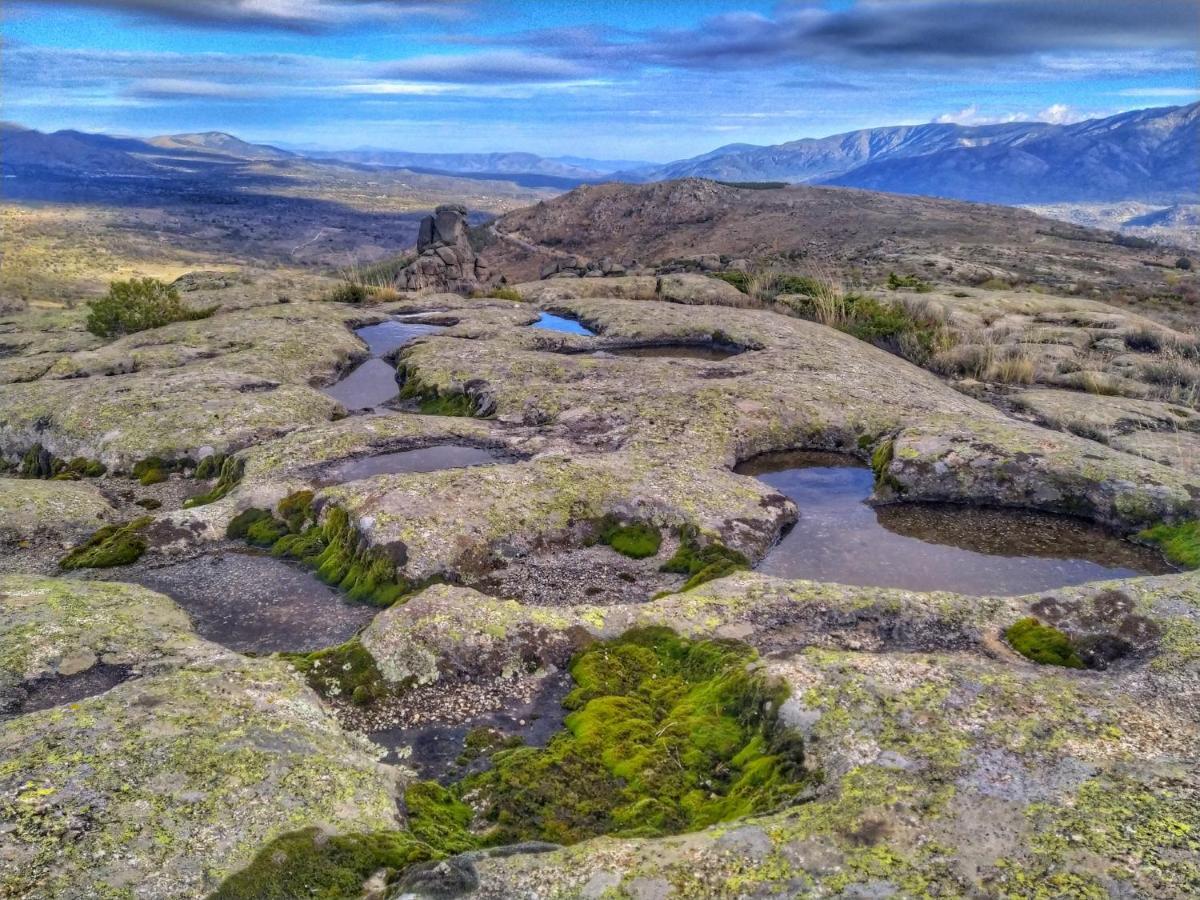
[(445, 259)]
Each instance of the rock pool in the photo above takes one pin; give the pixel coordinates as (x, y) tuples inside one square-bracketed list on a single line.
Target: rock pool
[(255, 603), (373, 382), (561, 323), (422, 459), (925, 547)]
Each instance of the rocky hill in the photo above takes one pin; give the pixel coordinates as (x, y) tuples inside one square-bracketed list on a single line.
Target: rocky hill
[(854, 234)]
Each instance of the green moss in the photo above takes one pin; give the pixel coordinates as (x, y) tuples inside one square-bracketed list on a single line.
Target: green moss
[(154, 469), (910, 282), (438, 818), (312, 864), (1043, 644), (702, 563), (347, 670), (1179, 543), (666, 735), (112, 545), (209, 467), (484, 742), (881, 459), (38, 462), (333, 548), (433, 402), (637, 541), (228, 476)]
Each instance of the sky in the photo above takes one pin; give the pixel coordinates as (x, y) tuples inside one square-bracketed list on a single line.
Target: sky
[(653, 80)]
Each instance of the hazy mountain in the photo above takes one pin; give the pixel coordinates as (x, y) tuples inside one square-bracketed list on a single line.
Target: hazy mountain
[(602, 165), (67, 151), (1150, 154), (221, 143)]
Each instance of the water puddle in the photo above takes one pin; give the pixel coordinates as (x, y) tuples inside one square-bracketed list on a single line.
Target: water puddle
[(561, 323), (43, 693), (707, 352), (435, 750), (254, 603), (373, 382), (925, 547), (424, 459)]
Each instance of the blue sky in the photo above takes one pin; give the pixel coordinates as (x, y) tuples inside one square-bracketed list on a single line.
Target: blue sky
[(653, 80)]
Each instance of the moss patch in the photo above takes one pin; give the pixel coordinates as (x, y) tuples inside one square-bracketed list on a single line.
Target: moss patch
[(1179, 543), (637, 541), (38, 462), (155, 470), (333, 548), (112, 545), (666, 735), (347, 670), (1043, 644), (433, 402), (311, 863), (229, 472), (703, 563)]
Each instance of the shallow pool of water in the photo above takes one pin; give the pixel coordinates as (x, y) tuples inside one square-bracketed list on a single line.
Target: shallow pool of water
[(561, 323), (921, 546), (423, 459), (387, 337), (373, 382), (707, 352), (252, 602)]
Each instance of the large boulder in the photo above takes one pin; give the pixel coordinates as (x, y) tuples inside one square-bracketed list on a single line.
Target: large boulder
[(445, 259)]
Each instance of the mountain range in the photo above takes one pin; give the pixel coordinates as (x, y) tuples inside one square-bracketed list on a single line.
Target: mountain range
[(1150, 155)]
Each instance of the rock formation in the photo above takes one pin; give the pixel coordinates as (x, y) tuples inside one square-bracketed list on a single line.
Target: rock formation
[(445, 259)]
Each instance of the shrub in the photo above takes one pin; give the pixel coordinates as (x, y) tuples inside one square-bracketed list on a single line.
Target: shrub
[(138, 304), (908, 282), (506, 293), (1144, 340), (1183, 263), (1179, 543), (348, 292), (1043, 644)]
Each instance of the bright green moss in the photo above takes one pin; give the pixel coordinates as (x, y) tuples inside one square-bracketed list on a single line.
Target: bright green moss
[(38, 462), (155, 469), (637, 541), (703, 563), (438, 818), (882, 457), (346, 670), (311, 864), (112, 545), (229, 475), (209, 467), (666, 735), (1043, 644), (333, 548), (1179, 543)]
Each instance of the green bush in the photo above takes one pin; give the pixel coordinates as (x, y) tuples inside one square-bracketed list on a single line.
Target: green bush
[(1043, 644), (138, 304), (349, 292)]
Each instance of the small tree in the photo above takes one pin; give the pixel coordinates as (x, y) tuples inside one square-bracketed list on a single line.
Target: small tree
[(138, 304)]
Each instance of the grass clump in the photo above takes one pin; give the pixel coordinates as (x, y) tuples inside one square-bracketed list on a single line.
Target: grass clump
[(908, 282), (506, 293), (1043, 644), (229, 472), (313, 864), (112, 545), (346, 671), (702, 563), (1179, 543), (638, 540), (665, 735), (138, 304)]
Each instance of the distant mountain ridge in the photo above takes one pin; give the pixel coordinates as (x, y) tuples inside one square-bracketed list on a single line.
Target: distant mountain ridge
[(1149, 154)]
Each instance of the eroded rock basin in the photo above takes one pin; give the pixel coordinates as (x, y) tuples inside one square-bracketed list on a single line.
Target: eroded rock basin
[(926, 547), (422, 459), (44, 693), (373, 382), (704, 352), (254, 603)]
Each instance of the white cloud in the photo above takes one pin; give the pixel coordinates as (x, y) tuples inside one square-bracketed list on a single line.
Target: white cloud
[(1160, 92), (1055, 114)]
